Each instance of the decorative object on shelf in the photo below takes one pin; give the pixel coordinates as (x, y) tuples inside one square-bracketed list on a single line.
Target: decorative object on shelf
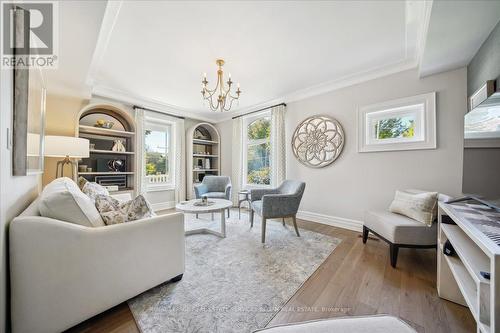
[(116, 165), (223, 99), (112, 180), (207, 163), (89, 169), (68, 147), (101, 123), (82, 167), (92, 146), (318, 141), (118, 146), (201, 133), (200, 164)]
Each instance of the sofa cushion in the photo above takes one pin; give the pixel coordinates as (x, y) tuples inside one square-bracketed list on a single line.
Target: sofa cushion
[(399, 229), (114, 211), (418, 205), (63, 200), (366, 324)]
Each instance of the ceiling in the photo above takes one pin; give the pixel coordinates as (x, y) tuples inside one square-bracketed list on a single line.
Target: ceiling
[(456, 31), (154, 53)]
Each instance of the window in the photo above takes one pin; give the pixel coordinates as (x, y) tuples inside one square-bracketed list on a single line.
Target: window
[(403, 124), (158, 156), (257, 151)]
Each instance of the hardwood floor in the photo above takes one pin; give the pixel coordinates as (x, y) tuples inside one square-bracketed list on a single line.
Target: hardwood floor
[(356, 279)]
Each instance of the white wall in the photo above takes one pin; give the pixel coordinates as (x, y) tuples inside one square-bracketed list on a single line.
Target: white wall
[(360, 181), (226, 133), (15, 192), (340, 193)]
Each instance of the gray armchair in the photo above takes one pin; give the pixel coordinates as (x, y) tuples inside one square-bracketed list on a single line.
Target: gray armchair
[(215, 187), (281, 202)]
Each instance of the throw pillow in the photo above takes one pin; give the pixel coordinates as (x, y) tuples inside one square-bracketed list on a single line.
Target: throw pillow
[(92, 189), (420, 206), (113, 211), (62, 200), (81, 182)]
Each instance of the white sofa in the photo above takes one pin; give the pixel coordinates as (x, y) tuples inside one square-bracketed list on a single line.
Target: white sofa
[(63, 273)]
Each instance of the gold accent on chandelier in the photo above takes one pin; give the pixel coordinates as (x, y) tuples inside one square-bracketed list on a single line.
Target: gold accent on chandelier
[(223, 99)]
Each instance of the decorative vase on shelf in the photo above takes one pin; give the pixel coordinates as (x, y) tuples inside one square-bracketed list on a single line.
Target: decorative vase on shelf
[(118, 146), (207, 163)]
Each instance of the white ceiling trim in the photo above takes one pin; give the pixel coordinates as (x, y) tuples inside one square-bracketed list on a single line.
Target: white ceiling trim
[(422, 36), (134, 99), (108, 23)]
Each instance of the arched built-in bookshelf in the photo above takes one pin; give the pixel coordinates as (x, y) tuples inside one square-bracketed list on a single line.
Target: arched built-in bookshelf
[(103, 164), (203, 154)]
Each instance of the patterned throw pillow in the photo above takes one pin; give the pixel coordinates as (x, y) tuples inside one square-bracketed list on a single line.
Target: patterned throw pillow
[(420, 206), (92, 190), (113, 211), (81, 182)]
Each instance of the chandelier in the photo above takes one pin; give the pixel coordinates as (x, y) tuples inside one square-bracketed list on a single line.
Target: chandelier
[(220, 98)]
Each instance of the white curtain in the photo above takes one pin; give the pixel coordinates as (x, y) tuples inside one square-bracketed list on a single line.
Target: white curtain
[(237, 154), (180, 161), (139, 155), (278, 145)]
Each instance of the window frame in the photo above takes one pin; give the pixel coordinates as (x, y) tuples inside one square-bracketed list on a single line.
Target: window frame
[(155, 124), (421, 107), (246, 122)]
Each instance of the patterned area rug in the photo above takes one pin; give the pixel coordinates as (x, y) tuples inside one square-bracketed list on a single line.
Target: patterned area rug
[(234, 284)]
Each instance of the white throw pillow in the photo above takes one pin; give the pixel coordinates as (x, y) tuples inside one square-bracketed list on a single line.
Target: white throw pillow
[(63, 200), (417, 205), (114, 211)]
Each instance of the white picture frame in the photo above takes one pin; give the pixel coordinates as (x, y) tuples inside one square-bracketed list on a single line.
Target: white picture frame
[(415, 117)]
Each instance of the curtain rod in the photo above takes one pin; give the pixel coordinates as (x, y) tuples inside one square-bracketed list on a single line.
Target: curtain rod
[(167, 114), (269, 107)]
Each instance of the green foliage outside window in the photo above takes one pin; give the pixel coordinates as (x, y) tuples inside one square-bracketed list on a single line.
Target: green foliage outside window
[(401, 127), (258, 152)]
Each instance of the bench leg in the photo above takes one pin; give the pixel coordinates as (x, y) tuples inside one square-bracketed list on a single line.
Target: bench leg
[(393, 251), (365, 234)]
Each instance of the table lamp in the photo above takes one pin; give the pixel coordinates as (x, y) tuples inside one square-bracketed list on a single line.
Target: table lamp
[(68, 147)]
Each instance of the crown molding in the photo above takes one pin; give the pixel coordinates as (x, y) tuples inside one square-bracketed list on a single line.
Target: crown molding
[(108, 24), (134, 99), (423, 32)]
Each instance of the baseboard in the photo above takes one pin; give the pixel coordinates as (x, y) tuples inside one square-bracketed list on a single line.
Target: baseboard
[(163, 205), (334, 221)]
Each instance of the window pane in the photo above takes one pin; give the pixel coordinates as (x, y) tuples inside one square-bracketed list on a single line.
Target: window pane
[(258, 164), (156, 147), (397, 127), (259, 129)]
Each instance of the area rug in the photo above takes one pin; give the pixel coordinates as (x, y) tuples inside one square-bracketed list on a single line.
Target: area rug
[(234, 284)]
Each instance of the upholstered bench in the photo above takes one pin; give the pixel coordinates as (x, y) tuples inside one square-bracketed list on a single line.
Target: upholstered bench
[(368, 324), (400, 231)]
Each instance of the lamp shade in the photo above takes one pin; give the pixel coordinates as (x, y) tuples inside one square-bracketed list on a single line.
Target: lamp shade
[(62, 146)]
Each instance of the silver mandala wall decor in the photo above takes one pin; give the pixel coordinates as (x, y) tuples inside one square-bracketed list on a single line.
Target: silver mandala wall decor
[(318, 141)]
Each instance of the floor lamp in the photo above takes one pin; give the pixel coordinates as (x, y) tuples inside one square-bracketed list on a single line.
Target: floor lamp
[(68, 147)]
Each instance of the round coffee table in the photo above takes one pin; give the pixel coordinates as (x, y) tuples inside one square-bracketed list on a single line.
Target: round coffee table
[(219, 205)]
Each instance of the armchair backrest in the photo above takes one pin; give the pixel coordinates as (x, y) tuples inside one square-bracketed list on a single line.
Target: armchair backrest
[(292, 187), (216, 183)]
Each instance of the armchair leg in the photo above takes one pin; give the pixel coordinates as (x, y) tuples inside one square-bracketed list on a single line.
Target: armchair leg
[(365, 234), (228, 212), (393, 250), (283, 221), (295, 225), (263, 230), (251, 218)]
